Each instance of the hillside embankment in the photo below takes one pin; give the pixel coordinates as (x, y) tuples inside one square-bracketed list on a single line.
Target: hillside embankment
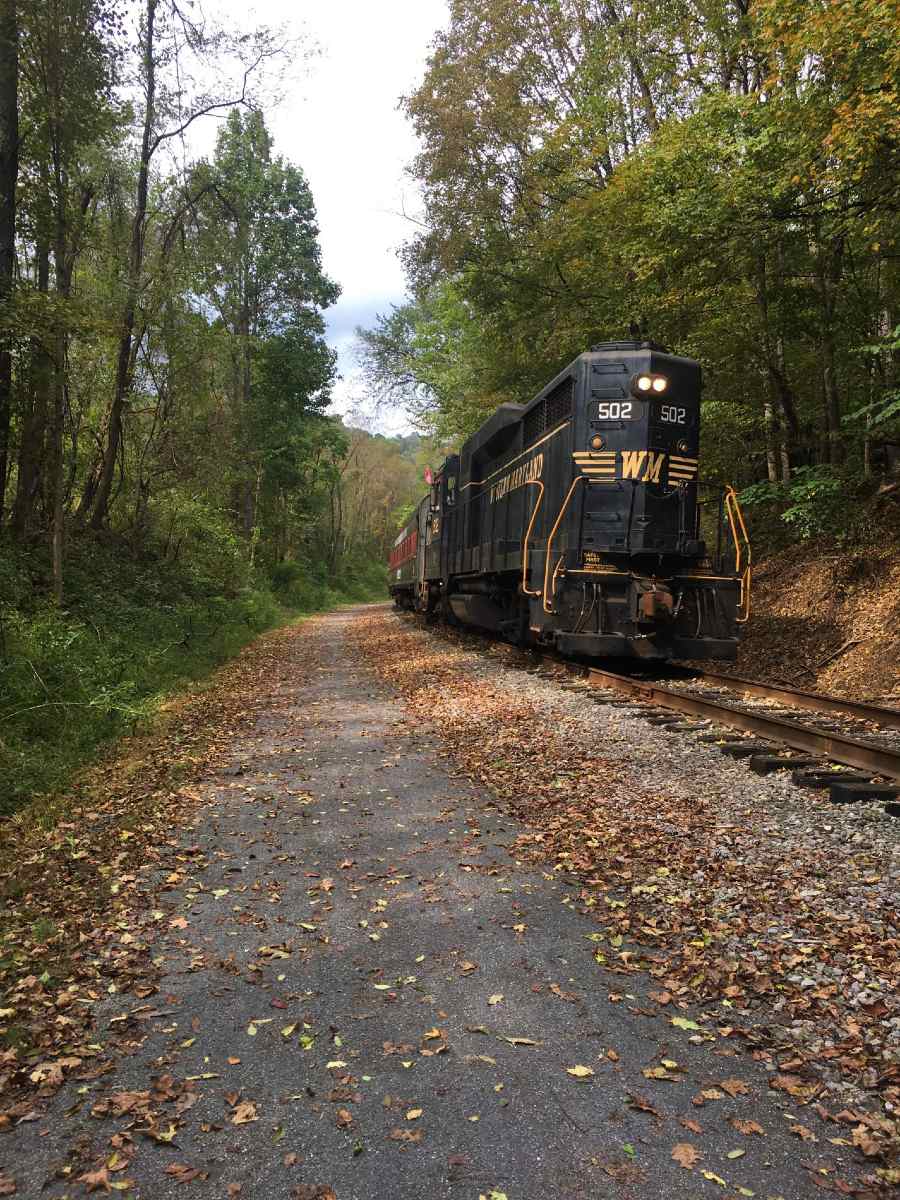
[(827, 620)]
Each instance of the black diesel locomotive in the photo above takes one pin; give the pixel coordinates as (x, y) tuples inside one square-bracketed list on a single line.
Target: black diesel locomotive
[(579, 520)]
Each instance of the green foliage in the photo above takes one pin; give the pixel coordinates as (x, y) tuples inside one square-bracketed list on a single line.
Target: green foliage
[(721, 176), (136, 629), (819, 502), (307, 586)]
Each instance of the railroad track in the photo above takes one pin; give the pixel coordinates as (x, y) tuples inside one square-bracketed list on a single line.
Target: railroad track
[(833, 734), (725, 700)]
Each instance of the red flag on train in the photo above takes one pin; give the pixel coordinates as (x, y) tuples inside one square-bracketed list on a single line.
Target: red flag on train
[(429, 477)]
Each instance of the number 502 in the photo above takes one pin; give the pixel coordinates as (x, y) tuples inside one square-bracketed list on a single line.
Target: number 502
[(675, 416)]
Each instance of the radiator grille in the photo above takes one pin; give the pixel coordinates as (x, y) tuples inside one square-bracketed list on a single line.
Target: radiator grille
[(556, 406)]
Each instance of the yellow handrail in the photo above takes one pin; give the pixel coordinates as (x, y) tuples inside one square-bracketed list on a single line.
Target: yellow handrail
[(525, 588), (548, 608), (737, 523)]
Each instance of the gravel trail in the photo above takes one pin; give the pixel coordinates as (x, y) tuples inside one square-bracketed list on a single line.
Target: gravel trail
[(366, 991)]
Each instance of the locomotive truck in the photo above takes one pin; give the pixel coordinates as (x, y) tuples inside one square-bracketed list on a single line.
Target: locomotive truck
[(579, 520)]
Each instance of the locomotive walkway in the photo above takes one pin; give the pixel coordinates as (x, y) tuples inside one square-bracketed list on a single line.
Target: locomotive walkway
[(362, 995)]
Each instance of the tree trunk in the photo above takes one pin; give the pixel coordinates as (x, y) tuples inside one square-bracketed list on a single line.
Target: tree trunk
[(637, 70), (58, 401), (829, 266), (773, 345), (771, 429), (124, 360), (9, 172), (34, 423)]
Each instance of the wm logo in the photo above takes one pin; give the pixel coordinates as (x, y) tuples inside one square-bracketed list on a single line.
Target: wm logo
[(642, 464)]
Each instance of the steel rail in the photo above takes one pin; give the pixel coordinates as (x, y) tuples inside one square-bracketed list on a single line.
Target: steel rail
[(814, 701), (850, 751)]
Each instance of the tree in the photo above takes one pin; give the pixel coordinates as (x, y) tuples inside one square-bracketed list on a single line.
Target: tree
[(9, 174), (722, 175), (261, 272), (167, 35)]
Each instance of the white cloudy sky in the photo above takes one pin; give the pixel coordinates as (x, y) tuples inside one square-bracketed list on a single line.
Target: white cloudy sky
[(339, 121)]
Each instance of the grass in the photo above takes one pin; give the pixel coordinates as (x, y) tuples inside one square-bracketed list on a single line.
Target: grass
[(134, 630)]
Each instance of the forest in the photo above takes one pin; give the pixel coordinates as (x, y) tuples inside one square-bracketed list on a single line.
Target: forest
[(718, 175), (170, 480)]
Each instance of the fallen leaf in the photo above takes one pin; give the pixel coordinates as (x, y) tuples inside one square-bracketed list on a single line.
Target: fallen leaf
[(734, 1087), (803, 1133), (644, 1105), (414, 1114), (244, 1113), (184, 1173), (684, 1023), (405, 1135), (714, 1178), (686, 1155), (579, 1072), (747, 1126), (94, 1180), (864, 1141)]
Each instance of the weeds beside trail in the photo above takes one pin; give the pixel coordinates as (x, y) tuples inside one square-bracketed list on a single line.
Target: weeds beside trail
[(775, 921), (134, 631)]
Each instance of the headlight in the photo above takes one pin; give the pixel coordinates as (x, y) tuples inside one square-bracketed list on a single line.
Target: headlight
[(643, 385)]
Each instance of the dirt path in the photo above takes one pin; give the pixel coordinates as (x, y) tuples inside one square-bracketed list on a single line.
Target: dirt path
[(363, 995)]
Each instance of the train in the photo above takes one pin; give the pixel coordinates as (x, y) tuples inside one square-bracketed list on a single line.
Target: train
[(579, 520)]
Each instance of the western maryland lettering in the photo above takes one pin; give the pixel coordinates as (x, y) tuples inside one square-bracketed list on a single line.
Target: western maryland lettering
[(644, 465), (528, 472)]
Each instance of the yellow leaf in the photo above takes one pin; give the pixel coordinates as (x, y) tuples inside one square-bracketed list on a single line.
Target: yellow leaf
[(714, 1178), (579, 1072)]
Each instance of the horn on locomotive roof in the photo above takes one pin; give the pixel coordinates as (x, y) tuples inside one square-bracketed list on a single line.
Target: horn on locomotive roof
[(630, 345)]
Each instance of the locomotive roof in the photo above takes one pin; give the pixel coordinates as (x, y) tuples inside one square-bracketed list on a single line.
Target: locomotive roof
[(509, 414), (506, 414)]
